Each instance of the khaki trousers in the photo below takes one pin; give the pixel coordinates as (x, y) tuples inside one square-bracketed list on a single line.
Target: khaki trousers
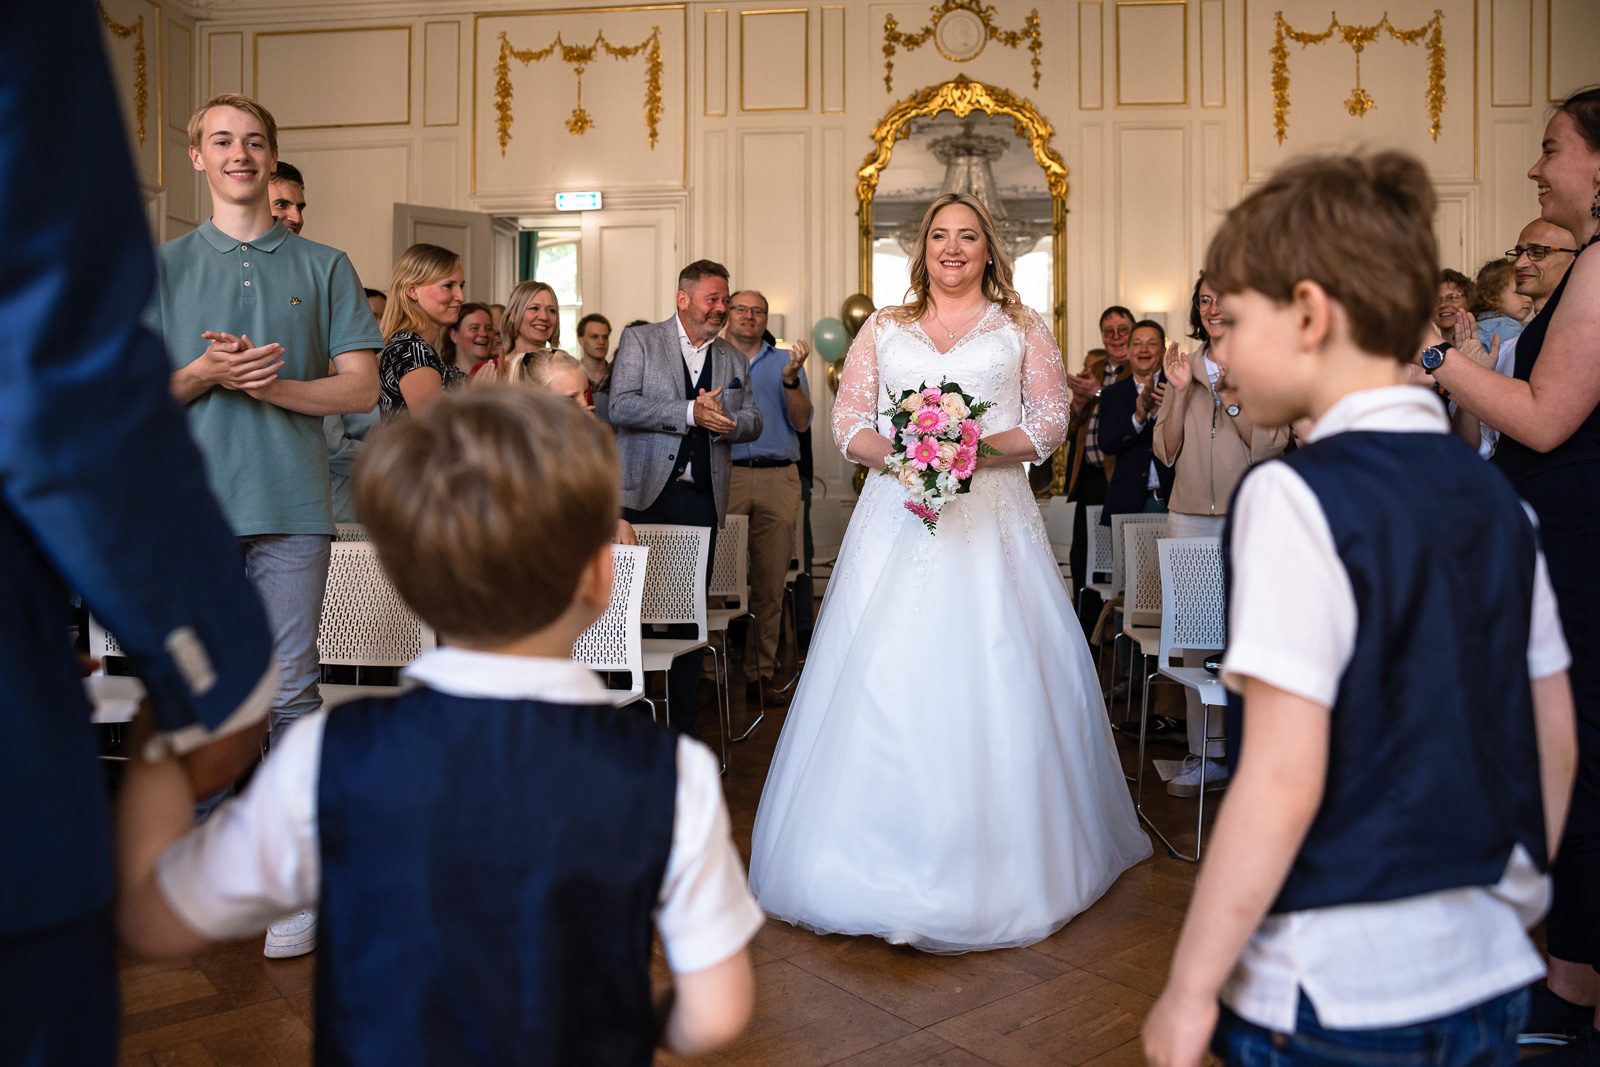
[(770, 496)]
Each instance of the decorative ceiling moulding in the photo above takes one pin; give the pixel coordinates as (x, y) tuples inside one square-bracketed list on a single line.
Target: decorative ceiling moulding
[(533, 134), (765, 78), (962, 97), (960, 30), (353, 75), (1158, 31)]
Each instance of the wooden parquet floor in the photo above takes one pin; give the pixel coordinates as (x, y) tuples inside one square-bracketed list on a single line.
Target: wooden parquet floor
[(1075, 999)]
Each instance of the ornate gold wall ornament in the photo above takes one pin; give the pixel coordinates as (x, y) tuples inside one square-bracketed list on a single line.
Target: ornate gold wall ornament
[(141, 81), (579, 57), (959, 29), (1357, 37)]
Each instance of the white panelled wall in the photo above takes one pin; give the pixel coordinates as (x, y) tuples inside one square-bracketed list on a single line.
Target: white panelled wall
[(1164, 111)]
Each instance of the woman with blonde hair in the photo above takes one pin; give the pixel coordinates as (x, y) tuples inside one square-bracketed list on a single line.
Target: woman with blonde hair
[(946, 777), (425, 295), (555, 372), (531, 323)]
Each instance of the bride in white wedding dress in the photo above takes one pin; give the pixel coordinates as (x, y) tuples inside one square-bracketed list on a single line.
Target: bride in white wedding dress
[(946, 777)]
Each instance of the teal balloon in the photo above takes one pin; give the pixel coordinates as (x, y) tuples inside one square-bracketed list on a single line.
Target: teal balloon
[(830, 340)]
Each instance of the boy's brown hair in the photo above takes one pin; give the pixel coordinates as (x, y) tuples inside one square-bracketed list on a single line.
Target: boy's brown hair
[(197, 121), (485, 510), (1361, 227)]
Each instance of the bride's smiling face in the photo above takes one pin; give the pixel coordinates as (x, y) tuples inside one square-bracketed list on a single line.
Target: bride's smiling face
[(956, 251)]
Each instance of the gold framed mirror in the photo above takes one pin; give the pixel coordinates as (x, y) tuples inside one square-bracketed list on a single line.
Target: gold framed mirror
[(969, 147)]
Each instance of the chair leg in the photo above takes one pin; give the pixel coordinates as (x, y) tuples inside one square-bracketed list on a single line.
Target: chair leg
[(1205, 749), (761, 702), (716, 684), (1138, 804)]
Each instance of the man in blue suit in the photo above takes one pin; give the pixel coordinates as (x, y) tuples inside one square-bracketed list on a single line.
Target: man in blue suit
[(1139, 481), (102, 492)]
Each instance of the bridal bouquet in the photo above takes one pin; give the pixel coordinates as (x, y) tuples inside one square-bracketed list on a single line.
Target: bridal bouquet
[(936, 446)]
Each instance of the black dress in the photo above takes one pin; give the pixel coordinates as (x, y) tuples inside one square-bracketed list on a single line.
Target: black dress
[(405, 352), (1563, 488)]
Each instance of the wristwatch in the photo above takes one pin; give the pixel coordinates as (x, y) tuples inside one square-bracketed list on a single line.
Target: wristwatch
[(792, 385), (1433, 356)]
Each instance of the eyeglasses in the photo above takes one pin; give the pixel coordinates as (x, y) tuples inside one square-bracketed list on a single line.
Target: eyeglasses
[(1207, 301), (747, 309), (1534, 252), (1452, 298)]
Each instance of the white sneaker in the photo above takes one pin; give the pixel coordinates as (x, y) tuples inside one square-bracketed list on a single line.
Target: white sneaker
[(1187, 783), (294, 936)]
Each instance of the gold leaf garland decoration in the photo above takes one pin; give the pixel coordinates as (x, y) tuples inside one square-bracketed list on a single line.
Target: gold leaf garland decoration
[(578, 57), (1357, 37), (892, 36), (141, 81)]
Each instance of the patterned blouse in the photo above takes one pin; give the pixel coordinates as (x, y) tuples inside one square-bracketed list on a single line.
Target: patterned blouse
[(406, 352)]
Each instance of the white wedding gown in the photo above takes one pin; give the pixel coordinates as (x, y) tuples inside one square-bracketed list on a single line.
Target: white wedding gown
[(946, 777)]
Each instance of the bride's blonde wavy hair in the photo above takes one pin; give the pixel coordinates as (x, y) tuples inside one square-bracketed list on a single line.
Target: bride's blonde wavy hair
[(997, 272)]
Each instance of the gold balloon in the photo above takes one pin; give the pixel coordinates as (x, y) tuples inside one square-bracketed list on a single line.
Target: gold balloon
[(855, 311)]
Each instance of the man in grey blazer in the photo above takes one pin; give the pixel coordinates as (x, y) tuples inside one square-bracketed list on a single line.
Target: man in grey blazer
[(680, 398)]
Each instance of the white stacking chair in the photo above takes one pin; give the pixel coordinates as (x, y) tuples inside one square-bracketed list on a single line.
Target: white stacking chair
[(614, 642), (115, 697), (1141, 593), (1100, 556), (1193, 616), (675, 594), (350, 531), (1058, 515), (365, 623), (730, 582)]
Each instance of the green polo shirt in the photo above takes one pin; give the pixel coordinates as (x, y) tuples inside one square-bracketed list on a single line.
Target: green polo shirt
[(267, 466)]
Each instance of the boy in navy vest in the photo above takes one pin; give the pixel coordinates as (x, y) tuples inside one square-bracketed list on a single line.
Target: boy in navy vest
[(490, 850), (1406, 744)]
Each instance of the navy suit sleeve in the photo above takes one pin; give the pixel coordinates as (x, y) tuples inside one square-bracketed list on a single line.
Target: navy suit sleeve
[(100, 484), (1117, 405)]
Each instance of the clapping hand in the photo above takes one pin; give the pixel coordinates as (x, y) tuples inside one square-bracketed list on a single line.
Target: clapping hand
[(1150, 401), (709, 412), (1083, 387), (1466, 341), (1179, 373), (237, 363), (797, 359)]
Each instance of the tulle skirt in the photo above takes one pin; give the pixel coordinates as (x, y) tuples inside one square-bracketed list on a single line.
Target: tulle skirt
[(946, 777)]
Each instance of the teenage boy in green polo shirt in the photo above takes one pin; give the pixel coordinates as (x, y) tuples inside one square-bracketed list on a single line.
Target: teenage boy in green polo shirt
[(267, 333)]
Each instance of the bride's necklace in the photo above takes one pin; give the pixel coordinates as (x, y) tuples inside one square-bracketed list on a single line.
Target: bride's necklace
[(951, 334)]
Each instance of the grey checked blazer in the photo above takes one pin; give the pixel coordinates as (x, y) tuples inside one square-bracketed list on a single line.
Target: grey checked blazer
[(650, 411)]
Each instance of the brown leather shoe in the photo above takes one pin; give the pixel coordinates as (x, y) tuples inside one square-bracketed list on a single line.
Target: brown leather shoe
[(766, 693)]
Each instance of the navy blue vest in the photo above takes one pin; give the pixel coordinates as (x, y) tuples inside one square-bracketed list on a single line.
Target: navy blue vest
[(1433, 769), (489, 873), (696, 447)]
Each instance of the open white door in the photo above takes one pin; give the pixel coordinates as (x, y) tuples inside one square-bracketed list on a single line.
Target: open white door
[(469, 234)]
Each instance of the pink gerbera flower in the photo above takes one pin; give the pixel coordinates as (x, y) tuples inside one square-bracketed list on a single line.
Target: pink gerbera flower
[(970, 432), (929, 420), (923, 452), (923, 512), (933, 394), (966, 462)]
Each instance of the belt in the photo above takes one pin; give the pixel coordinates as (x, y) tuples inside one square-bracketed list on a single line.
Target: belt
[(758, 463)]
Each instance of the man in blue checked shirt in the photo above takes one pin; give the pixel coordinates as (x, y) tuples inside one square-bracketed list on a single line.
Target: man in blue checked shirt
[(766, 478), (101, 491)]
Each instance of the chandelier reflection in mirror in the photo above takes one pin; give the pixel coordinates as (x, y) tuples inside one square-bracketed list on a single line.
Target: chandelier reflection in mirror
[(978, 155)]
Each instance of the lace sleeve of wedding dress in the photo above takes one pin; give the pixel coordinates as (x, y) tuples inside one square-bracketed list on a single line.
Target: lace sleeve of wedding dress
[(856, 407), (1046, 401)]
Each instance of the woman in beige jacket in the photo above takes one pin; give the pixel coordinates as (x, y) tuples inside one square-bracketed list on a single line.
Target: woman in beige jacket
[(1210, 442)]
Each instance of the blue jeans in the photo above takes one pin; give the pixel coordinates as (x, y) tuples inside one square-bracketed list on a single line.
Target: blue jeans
[(290, 574), (1484, 1035)]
